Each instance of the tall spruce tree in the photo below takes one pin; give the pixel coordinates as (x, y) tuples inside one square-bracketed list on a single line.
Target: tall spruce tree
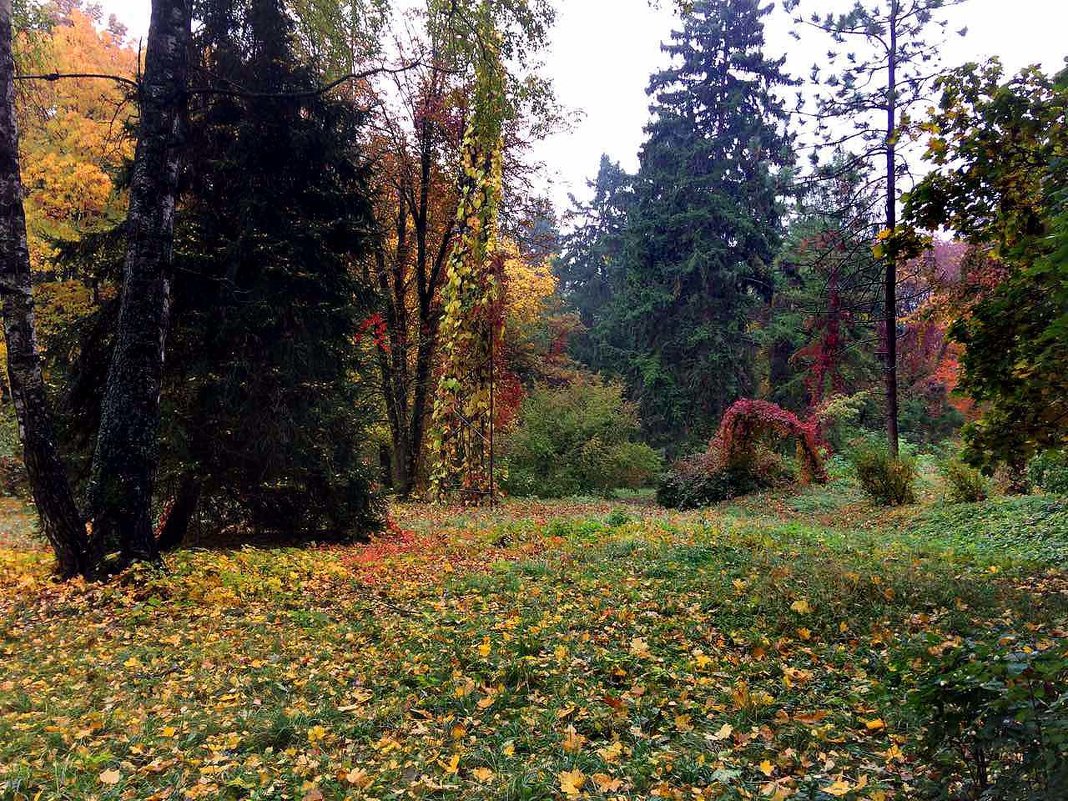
[(591, 256), (703, 225)]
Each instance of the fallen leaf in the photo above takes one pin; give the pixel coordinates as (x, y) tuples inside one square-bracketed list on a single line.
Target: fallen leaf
[(725, 731), (571, 782)]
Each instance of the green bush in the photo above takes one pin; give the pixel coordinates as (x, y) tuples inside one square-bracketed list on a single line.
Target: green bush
[(995, 719), (693, 483), (886, 480), (1049, 472), (703, 480), (574, 440), (965, 484)]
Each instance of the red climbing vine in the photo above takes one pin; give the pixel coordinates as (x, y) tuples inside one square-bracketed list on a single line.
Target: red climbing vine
[(748, 420)]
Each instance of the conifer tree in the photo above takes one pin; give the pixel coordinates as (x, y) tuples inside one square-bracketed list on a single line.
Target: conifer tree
[(704, 222), (264, 414)]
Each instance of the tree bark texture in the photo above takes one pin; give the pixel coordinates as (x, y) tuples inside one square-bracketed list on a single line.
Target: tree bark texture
[(60, 521), (127, 447)]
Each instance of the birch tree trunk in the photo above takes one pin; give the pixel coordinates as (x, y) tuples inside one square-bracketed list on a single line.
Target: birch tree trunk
[(60, 521), (127, 447)]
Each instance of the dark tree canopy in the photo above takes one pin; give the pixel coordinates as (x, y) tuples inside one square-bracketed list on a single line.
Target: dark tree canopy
[(264, 417), (703, 223)]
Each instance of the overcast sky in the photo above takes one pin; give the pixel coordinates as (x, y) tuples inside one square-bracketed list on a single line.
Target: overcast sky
[(604, 51)]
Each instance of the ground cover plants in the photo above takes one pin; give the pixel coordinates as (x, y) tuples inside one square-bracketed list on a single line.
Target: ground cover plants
[(539, 650)]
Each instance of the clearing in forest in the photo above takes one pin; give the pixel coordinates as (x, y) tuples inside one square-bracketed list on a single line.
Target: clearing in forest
[(567, 650)]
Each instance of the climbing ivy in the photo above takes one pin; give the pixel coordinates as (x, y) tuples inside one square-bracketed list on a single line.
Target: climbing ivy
[(462, 429)]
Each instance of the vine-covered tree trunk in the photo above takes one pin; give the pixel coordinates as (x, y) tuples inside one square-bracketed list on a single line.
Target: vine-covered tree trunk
[(462, 439), (127, 447), (49, 484)]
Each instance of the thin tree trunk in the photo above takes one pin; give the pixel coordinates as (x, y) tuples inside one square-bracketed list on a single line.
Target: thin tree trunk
[(127, 447), (60, 521), (891, 226), (176, 525)]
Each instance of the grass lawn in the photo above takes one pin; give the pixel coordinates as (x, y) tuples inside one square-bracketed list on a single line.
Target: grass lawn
[(566, 650)]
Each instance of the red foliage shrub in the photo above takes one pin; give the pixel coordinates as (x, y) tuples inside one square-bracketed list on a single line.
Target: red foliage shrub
[(734, 445)]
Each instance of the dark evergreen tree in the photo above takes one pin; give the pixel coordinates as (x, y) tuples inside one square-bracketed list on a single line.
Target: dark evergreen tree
[(263, 411), (704, 223), (590, 266)]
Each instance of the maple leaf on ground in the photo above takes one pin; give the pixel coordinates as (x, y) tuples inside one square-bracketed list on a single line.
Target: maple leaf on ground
[(571, 782)]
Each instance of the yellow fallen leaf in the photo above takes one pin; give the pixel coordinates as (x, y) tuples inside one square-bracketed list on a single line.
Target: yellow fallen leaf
[(839, 788), (168, 731), (358, 777), (571, 782), (482, 774), (766, 767), (452, 766), (640, 648), (573, 741), (110, 776), (801, 607), (485, 648), (606, 784), (611, 753), (725, 731), (873, 725), (509, 749)]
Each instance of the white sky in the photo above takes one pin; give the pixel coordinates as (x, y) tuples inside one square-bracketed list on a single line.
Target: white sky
[(603, 52)]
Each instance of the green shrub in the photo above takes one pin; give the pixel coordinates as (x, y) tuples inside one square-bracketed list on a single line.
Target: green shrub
[(1049, 472), (578, 439), (840, 418), (886, 480), (703, 480), (693, 483), (965, 484), (995, 720)]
